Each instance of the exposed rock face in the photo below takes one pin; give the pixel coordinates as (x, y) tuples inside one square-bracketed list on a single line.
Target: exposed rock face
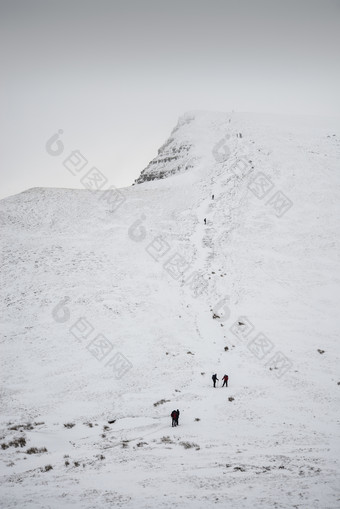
[(174, 156)]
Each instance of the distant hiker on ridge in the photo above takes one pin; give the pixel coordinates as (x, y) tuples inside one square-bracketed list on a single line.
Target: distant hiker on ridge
[(214, 378), (205, 220), (225, 380), (213, 196)]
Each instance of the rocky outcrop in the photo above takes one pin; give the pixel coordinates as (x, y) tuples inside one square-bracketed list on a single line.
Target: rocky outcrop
[(174, 156)]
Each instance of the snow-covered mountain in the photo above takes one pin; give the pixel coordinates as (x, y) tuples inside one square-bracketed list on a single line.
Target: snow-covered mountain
[(120, 305)]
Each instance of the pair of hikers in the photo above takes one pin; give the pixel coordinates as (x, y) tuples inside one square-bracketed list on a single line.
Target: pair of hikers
[(174, 417), (225, 380)]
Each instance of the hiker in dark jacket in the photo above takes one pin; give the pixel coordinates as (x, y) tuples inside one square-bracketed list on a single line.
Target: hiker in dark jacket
[(177, 417), (225, 380), (205, 220), (174, 417), (214, 378)]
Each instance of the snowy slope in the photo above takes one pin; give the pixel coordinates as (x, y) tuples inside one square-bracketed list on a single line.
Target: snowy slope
[(74, 268)]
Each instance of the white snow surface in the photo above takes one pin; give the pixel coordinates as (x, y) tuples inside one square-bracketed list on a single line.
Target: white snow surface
[(276, 444)]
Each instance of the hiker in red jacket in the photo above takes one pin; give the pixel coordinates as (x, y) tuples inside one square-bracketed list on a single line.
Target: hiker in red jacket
[(225, 381), (174, 417)]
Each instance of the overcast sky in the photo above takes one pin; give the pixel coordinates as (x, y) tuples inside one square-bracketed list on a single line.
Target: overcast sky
[(115, 75)]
